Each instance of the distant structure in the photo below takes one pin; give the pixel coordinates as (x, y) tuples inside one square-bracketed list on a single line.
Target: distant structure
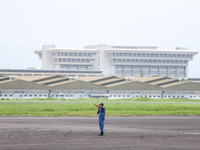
[(122, 61)]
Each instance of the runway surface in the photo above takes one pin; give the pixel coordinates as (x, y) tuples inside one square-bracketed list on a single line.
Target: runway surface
[(79, 133)]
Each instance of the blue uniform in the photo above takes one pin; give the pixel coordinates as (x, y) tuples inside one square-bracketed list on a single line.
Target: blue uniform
[(101, 118)]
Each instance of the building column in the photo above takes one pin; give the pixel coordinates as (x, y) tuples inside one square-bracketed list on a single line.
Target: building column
[(124, 71), (159, 70), (168, 71), (150, 70), (186, 71), (132, 71), (177, 75)]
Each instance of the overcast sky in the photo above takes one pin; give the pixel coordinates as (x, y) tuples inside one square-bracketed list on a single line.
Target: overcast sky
[(25, 25)]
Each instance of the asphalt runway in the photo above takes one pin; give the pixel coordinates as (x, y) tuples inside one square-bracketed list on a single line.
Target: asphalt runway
[(80, 133)]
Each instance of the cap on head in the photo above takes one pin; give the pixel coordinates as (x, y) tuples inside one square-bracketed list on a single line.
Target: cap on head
[(102, 104)]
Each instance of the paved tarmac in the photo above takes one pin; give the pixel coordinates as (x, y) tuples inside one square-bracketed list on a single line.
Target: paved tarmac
[(79, 133)]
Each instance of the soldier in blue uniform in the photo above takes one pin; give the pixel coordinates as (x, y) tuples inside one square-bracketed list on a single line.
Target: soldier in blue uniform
[(101, 112)]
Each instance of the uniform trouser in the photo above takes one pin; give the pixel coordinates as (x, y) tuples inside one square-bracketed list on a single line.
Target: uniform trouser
[(101, 124)]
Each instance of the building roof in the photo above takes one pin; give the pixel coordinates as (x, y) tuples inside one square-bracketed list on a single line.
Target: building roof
[(21, 84), (103, 79), (132, 85), (164, 82), (110, 81), (31, 78), (152, 50), (190, 86), (77, 84)]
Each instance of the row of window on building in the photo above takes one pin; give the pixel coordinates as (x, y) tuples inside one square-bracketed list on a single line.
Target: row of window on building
[(148, 67), (72, 54), (150, 55), (110, 96), (76, 67), (73, 60), (149, 61)]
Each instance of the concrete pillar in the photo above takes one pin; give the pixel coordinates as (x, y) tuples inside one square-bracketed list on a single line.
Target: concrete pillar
[(124, 71), (177, 75), (150, 70), (132, 71), (47, 62), (168, 71), (186, 71), (159, 70)]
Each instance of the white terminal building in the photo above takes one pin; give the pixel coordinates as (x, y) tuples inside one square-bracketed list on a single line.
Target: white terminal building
[(122, 61)]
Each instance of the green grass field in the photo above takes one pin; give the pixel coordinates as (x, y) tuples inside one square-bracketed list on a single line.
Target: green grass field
[(88, 109)]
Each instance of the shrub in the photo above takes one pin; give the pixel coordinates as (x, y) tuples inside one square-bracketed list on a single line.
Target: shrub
[(143, 99), (7, 98), (2, 98)]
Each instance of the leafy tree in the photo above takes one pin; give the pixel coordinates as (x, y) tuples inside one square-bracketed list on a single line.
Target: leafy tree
[(141, 74)]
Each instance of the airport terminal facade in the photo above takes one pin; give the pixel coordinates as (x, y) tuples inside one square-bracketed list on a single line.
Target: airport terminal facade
[(122, 61)]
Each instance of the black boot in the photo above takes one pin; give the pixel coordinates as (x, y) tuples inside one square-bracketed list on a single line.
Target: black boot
[(101, 134)]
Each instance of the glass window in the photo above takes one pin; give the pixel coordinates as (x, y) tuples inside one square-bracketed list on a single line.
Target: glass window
[(110, 96), (71, 95), (5, 95), (114, 95), (123, 95), (154, 96), (57, 95), (119, 95), (45, 95), (35, 95), (24, 95), (0, 95), (40, 95), (128, 95)]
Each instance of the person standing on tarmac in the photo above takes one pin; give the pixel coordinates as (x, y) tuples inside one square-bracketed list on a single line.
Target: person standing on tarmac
[(101, 112)]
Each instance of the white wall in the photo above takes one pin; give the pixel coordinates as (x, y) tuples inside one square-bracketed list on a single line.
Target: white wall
[(47, 62)]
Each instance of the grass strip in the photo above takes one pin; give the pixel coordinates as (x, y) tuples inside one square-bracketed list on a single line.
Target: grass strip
[(88, 109)]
